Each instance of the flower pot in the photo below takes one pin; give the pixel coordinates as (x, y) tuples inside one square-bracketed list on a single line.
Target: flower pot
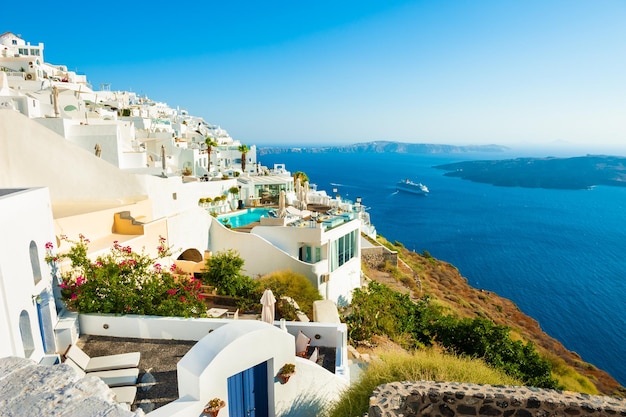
[(211, 412), (284, 378)]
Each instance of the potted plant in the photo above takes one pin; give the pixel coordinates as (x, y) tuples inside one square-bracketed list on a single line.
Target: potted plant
[(286, 372), (214, 406)]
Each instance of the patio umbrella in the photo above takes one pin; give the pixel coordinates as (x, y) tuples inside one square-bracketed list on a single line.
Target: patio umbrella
[(98, 150), (282, 212), (163, 162), (298, 190), (267, 301), (305, 195)]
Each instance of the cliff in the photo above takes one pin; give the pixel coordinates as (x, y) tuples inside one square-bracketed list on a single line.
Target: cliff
[(562, 173), (443, 282)]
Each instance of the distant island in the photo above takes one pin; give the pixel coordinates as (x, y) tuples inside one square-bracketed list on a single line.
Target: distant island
[(383, 147), (582, 172)]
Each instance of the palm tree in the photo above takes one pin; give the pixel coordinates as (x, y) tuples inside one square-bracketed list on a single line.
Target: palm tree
[(210, 143), (244, 150), (299, 174)]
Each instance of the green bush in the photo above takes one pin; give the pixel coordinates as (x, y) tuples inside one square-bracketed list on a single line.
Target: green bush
[(378, 310), (482, 338), (223, 271), (126, 282)]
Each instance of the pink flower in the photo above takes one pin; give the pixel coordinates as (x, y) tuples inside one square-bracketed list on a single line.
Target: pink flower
[(171, 292), (63, 285), (157, 267), (49, 245), (80, 280), (173, 268), (74, 296)]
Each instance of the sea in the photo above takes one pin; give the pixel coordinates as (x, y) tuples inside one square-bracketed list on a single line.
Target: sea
[(558, 254)]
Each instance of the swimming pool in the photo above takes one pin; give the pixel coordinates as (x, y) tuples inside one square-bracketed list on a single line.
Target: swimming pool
[(244, 218)]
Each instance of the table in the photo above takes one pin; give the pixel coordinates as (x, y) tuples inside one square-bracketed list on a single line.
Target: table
[(216, 312)]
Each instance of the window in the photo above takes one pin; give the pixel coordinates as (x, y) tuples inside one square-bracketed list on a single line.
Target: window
[(343, 249), (14, 42), (23, 51), (34, 262), (310, 254), (34, 52)]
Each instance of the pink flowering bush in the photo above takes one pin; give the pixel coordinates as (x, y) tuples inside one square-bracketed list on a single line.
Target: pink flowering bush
[(126, 282)]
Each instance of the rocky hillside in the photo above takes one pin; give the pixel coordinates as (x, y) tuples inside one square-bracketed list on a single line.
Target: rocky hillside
[(443, 282), (384, 147), (581, 172)]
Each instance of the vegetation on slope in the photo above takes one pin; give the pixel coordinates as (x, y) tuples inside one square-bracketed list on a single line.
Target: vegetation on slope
[(378, 310), (420, 275)]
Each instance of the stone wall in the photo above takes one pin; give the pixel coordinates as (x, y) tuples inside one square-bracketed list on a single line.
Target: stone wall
[(376, 256), (451, 399)]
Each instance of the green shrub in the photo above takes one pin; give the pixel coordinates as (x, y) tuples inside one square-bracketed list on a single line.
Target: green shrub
[(223, 271), (482, 338)]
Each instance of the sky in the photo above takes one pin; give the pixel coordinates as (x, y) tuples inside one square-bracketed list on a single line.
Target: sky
[(510, 72)]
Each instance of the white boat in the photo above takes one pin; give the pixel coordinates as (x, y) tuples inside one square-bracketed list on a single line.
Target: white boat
[(412, 187)]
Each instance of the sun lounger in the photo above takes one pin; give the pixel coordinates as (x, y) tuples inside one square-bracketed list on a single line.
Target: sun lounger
[(102, 363), (113, 378), (123, 394)]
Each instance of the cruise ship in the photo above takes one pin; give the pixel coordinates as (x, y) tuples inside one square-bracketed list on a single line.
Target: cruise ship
[(412, 187)]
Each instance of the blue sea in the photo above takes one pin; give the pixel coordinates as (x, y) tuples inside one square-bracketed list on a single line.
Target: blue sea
[(558, 254)]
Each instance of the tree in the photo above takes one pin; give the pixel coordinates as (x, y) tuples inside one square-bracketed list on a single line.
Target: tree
[(294, 285), (303, 177), (223, 271), (244, 150), (210, 143)]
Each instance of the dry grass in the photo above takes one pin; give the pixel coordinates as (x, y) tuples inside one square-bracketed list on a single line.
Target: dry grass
[(425, 364)]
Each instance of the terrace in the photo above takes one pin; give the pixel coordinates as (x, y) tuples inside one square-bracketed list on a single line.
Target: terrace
[(163, 342)]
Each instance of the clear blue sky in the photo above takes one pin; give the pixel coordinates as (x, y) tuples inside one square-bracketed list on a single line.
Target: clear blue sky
[(439, 71)]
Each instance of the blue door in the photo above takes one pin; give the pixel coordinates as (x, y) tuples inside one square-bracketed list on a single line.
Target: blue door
[(247, 392)]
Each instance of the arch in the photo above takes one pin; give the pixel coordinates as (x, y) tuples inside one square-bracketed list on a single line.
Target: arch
[(191, 254), (26, 332), (34, 261)]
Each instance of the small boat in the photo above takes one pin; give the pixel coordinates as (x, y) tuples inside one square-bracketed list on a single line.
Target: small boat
[(412, 187)]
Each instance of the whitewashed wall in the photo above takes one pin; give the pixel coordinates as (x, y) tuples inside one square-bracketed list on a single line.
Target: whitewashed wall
[(26, 218)]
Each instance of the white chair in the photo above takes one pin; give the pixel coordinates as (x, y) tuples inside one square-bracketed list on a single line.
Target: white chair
[(302, 344), (102, 363), (231, 315), (113, 377), (123, 394)]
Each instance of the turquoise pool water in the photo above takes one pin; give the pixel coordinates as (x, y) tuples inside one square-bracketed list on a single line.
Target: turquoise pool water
[(244, 218)]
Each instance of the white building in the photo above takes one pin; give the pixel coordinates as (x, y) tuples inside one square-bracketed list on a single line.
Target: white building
[(108, 165)]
